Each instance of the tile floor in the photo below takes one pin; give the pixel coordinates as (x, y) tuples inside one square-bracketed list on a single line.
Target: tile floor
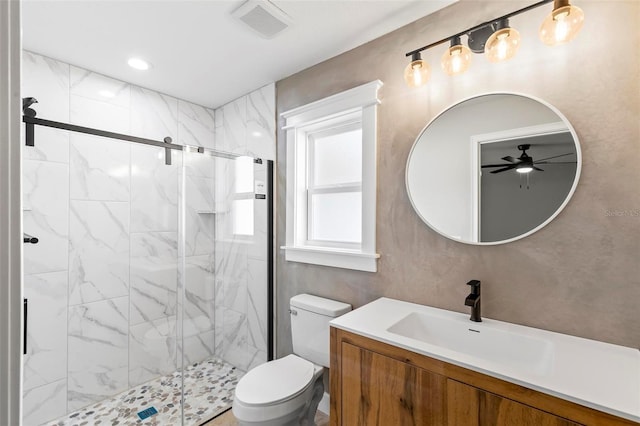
[(209, 387)]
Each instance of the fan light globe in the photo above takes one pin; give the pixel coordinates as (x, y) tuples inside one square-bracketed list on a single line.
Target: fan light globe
[(417, 73), (502, 45), (456, 59), (562, 25)]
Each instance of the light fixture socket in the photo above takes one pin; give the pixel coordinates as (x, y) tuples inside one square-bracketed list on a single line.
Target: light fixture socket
[(478, 38), (501, 24), (455, 41), (560, 3)]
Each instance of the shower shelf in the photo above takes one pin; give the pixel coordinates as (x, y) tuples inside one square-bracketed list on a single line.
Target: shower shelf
[(206, 212)]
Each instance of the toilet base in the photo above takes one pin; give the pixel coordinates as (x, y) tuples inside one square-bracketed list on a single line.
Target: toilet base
[(299, 411)]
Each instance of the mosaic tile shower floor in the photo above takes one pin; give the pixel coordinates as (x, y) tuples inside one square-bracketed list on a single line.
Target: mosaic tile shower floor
[(208, 386)]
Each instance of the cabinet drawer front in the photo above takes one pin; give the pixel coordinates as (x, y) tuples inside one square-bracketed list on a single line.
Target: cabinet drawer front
[(377, 389), (469, 406)]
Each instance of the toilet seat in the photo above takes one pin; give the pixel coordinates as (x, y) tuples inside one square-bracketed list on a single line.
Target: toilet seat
[(275, 381)]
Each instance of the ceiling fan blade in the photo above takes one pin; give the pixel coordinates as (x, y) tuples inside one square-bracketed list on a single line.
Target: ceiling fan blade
[(555, 156), (555, 162), (495, 165), (504, 169), (538, 169), (510, 159)]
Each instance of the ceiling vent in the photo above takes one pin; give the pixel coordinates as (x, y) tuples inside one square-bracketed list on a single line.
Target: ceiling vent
[(263, 17)]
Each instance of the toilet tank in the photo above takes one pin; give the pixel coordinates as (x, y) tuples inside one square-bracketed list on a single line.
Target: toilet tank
[(310, 316)]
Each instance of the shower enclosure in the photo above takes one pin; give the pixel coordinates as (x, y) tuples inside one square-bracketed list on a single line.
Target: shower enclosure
[(148, 290)]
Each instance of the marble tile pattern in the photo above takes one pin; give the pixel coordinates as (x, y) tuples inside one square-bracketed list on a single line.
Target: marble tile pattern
[(152, 349), (107, 276), (154, 190), (196, 125), (208, 391), (44, 403), (46, 359), (153, 275), (246, 126), (261, 131), (98, 251), (98, 351), (45, 199)]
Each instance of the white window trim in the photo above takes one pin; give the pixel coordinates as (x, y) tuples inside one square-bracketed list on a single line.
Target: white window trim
[(361, 100)]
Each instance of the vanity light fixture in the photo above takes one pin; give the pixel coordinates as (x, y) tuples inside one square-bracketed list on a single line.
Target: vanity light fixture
[(563, 24), (457, 58), (417, 73), (503, 43), (496, 39)]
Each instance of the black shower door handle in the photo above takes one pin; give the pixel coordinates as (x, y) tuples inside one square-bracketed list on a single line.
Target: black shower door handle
[(25, 310)]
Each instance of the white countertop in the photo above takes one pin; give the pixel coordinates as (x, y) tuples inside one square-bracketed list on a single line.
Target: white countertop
[(599, 375)]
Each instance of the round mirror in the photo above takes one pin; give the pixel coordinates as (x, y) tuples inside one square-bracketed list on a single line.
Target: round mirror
[(493, 169)]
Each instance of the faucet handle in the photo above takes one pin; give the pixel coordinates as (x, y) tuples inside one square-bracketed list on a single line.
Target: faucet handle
[(474, 284)]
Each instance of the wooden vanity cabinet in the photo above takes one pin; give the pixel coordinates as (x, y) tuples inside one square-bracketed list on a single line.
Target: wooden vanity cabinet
[(373, 383)]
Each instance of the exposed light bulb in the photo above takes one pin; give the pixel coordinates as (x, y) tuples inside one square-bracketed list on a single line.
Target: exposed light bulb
[(503, 43), (417, 73), (562, 25), (457, 58)]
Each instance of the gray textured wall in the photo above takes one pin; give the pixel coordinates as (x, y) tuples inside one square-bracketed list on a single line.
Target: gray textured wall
[(581, 274)]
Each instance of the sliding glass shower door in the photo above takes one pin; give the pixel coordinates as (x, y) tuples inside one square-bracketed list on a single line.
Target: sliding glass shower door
[(148, 289), (224, 299)]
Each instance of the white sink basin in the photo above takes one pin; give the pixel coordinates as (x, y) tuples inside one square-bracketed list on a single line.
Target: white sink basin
[(513, 351), (599, 375)]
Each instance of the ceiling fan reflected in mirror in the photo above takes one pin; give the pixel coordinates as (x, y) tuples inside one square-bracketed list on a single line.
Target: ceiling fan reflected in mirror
[(525, 163)]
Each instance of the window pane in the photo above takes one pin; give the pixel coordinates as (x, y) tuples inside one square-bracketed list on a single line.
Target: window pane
[(336, 217), (244, 174), (242, 211), (337, 158)]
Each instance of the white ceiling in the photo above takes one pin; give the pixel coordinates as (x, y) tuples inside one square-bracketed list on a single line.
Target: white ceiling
[(197, 50)]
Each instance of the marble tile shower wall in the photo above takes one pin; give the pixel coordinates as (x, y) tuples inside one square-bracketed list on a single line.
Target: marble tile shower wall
[(103, 282)]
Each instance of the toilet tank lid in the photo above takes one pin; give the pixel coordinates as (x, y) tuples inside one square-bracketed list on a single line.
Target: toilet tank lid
[(320, 305)]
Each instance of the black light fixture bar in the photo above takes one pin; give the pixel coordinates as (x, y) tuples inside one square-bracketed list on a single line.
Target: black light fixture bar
[(477, 27)]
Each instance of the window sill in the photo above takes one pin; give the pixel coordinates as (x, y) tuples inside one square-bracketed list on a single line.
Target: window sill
[(335, 257)]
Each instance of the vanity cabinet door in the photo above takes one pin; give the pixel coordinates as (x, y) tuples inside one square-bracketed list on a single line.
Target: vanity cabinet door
[(469, 406), (379, 390)]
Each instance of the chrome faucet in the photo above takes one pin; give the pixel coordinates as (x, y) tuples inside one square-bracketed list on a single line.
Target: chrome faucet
[(473, 300)]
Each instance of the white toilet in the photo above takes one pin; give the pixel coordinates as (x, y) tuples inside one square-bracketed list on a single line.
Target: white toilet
[(286, 392)]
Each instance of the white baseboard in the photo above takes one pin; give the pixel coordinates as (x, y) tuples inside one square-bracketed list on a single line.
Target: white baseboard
[(324, 404)]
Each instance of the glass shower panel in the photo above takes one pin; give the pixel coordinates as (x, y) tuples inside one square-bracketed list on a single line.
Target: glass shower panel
[(103, 344), (224, 247), (198, 288)]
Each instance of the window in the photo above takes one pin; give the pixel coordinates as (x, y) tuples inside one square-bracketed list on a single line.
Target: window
[(331, 180)]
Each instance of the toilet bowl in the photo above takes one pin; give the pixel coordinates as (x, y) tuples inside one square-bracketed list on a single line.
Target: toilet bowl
[(282, 392), (287, 391)]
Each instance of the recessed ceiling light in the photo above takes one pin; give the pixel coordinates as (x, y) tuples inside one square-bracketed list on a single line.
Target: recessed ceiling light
[(138, 64), (107, 94)]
